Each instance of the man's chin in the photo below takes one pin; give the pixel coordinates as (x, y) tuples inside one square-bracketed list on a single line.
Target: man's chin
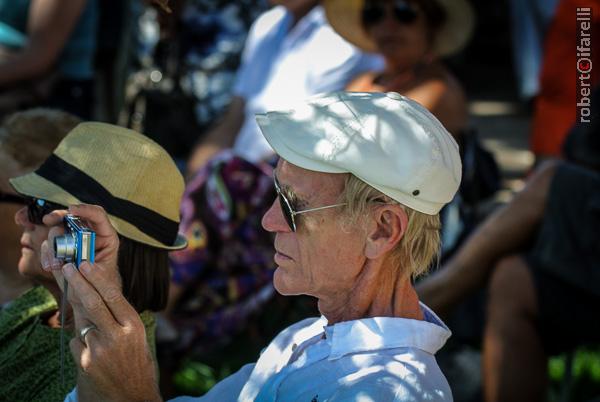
[(283, 286)]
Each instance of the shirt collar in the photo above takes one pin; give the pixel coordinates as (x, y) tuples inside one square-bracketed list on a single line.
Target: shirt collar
[(306, 25), (372, 334)]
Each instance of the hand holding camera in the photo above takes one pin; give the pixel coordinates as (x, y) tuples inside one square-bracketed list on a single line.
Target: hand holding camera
[(118, 337), (81, 235), (77, 244)]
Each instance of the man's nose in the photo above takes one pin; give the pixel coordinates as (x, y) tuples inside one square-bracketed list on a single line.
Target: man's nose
[(273, 220)]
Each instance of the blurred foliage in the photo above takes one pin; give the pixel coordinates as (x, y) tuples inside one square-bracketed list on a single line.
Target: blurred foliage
[(196, 378), (584, 383)]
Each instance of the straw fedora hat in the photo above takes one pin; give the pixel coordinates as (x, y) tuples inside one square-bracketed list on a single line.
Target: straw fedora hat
[(125, 172), (345, 18)]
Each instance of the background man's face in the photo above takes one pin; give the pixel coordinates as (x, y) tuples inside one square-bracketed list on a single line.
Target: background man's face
[(320, 258)]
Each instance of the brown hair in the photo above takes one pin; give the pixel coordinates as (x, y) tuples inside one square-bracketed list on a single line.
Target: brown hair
[(145, 274), (30, 136)]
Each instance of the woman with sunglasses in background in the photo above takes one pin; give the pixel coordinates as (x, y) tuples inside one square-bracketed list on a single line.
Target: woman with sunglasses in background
[(26, 139), (28, 307), (412, 35), (123, 172)]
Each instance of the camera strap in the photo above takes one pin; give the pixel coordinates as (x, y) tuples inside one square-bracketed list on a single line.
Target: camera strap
[(63, 310)]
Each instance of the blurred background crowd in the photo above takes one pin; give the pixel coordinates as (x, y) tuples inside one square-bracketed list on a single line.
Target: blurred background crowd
[(190, 74)]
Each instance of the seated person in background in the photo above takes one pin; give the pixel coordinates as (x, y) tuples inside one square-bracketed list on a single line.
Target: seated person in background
[(291, 52), (412, 35), (47, 53), (140, 187), (26, 140), (360, 183), (540, 257)]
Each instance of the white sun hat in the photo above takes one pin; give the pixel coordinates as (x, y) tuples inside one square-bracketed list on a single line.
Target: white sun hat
[(385, 139)]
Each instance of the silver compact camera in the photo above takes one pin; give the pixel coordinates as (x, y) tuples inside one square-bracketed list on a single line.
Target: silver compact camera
[(77, 244)]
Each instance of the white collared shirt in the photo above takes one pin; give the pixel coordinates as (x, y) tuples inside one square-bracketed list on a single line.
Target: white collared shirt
[(379, 359), (282, 64), (373, 359)]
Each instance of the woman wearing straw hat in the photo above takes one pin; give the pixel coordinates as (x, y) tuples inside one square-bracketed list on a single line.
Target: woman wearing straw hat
[(26, 139), (139, 186), (411, 35), (29, 363)]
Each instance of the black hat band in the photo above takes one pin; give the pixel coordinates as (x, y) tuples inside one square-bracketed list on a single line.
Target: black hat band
[(89, 191)]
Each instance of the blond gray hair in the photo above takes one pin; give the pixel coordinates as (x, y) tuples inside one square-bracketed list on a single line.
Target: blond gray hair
[(418, 249)]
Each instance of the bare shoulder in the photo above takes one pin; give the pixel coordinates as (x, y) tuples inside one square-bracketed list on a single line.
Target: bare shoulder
[(440, 80), (364, 82)]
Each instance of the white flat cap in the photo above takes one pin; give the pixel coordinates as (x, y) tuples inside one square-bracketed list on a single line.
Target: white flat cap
[(385, 139)]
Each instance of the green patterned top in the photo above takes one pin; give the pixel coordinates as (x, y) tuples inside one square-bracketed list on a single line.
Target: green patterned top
[(30, 350)]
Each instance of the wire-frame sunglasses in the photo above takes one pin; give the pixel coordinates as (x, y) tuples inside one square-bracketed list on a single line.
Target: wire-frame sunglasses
[(288, 211)]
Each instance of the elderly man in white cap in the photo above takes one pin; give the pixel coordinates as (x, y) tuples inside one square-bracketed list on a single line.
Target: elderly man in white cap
[(360, 183)]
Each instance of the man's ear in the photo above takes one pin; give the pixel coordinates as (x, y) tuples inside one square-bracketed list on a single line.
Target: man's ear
[(386, 228)]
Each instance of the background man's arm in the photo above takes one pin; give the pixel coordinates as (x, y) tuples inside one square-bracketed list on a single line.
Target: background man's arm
[(50, 22)]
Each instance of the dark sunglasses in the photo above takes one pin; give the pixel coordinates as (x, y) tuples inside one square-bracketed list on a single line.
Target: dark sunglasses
[(288, 211), (6, 198), (374, 13), (37, 208)]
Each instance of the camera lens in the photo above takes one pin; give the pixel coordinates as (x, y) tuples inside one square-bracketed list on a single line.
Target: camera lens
[(65, 248)]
